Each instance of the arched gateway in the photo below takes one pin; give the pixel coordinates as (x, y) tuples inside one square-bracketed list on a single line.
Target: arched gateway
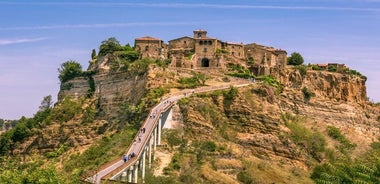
[(205, 62)]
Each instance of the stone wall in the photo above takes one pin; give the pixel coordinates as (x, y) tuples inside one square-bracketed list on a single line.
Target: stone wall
[(236, 50), (184, 43), (155, 49)]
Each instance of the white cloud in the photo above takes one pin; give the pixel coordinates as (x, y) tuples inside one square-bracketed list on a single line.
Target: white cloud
[(16, 41), (195, 5), (130, 24)]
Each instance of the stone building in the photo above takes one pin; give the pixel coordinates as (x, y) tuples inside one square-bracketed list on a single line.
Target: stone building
[(202, 51), (150, 47)]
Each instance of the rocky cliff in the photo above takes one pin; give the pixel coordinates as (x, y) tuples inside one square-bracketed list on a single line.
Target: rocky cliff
[(331, 85), (255, 128)]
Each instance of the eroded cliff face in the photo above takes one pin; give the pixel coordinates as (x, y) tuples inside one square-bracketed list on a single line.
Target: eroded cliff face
[(331, 85), (112, 89), (252, 125)]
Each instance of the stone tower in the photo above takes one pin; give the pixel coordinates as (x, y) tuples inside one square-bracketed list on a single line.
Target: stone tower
[(200, 33)]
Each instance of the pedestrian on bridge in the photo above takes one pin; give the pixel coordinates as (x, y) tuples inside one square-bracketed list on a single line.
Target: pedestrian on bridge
[(125, 158)]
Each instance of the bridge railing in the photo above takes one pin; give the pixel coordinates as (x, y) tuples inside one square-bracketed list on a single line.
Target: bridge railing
[(144, 143)]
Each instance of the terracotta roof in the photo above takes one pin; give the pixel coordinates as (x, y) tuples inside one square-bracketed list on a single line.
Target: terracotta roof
[(323, 65), (148, 38)]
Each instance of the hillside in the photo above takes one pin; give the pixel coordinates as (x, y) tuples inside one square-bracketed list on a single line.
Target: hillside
[(279, 129)]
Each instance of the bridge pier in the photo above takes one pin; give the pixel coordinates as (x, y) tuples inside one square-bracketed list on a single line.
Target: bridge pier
[(150, 153), (143, 165), (135, 171), (154, 140), (123, 176), (159, 126), (130, 174)]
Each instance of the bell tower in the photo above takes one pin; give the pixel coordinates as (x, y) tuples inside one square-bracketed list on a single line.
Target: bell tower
[(199, 33)]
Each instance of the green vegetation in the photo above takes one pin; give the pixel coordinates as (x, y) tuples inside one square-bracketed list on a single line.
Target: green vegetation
[(250, 61), (245, 177), (13, 171), (26, 127), (336, 134), (93, 54), (332, 68), (315, 67), (231, 94), (163, 63), (302, 69), (346, 173), (198, 79), (221, 51), (69, 70), (312, 142), (189, 56), (239, 71), (112, 45), (271, 81), (354, 72), (66, 110), (295, 59), (307, 94)]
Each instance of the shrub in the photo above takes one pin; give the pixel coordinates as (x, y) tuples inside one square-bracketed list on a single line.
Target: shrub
[(140, 67), (313, 142), (245, 178), (315, 67), (66, 110), (307, 94), (336, 134), (69, 70), (209, 146), (91, 84), (295, 59), (332, 68), (129, 55), (173, 138), (198, 79), (231, 94), (271, 81), (302, 69)]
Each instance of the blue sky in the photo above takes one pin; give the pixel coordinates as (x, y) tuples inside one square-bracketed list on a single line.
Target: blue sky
[(37, 36)]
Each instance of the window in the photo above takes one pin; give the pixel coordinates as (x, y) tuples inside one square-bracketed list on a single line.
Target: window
[(200, 42), (184, 42), (199, 35), (209, 42)]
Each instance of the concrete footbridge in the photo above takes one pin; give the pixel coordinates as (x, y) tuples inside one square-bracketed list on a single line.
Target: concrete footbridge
[(141, 151)]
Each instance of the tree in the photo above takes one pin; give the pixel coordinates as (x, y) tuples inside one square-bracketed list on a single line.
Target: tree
[(46, 103), (69, 70), (93, 54), (109, 46), (295, 59)]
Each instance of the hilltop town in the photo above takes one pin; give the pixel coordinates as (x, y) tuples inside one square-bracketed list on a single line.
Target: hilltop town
[(203, 51)]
